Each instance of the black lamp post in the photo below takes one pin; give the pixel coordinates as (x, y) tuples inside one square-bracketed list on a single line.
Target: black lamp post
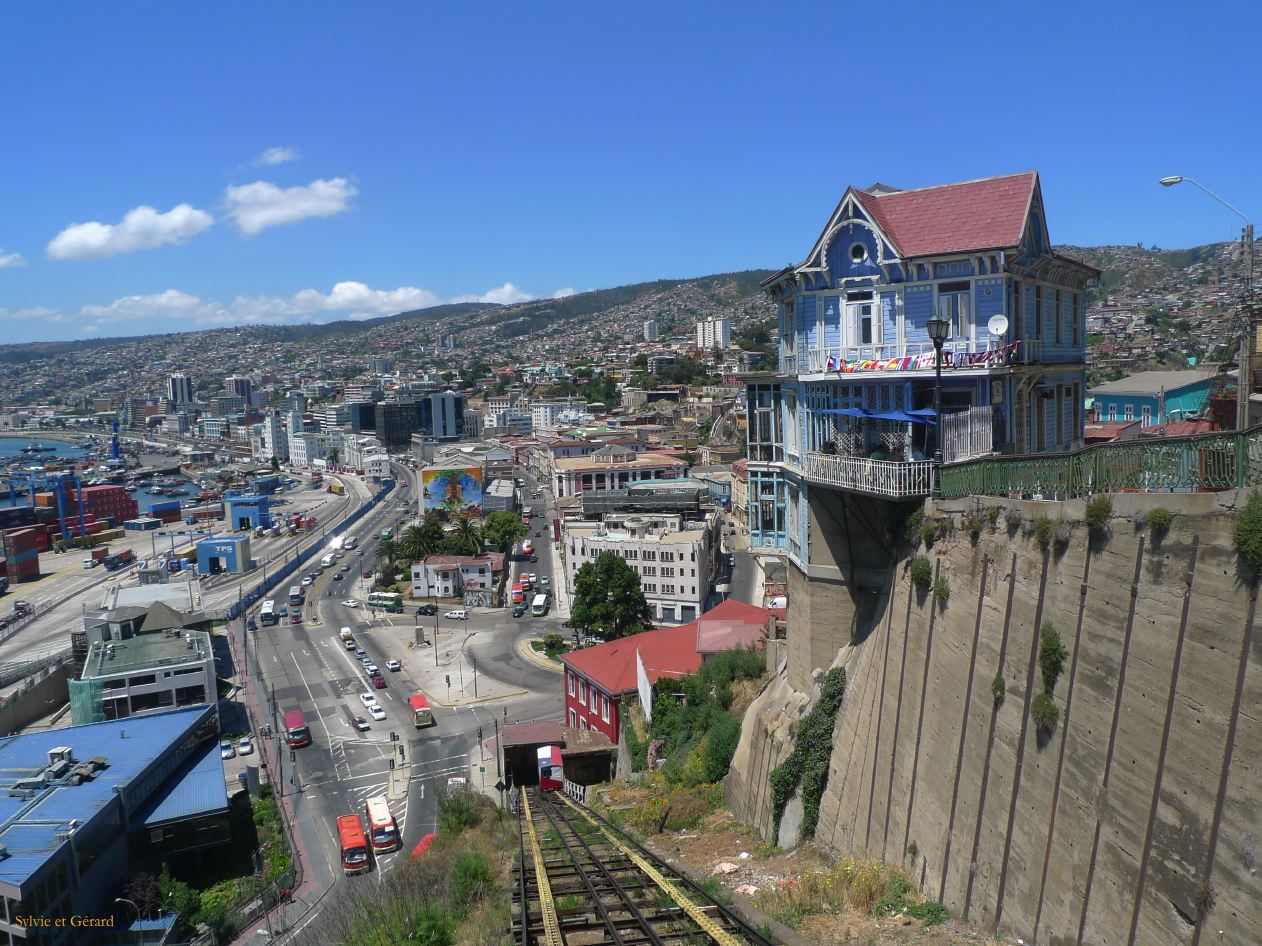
[(939, 328)]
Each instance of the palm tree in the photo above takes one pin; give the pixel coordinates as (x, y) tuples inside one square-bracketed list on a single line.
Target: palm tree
[(418, 542), (468, 532), (388, 551)]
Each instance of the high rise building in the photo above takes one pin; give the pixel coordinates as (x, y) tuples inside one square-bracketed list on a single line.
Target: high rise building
[(650, 330), (275, 442), (180, 389), (714, 333), (237, 386)]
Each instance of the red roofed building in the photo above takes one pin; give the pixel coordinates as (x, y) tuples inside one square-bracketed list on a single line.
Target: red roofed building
[(597, 678)]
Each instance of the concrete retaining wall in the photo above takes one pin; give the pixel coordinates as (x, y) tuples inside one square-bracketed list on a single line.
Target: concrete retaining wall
[(1142, 806)]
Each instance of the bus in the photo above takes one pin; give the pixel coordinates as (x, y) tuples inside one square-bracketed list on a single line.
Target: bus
[(267, 616), (350, 835), (390, 601), (519, 593), (387, 535), (381, 829), (297, 734), (421, 713), (539, 606), (297, 595)]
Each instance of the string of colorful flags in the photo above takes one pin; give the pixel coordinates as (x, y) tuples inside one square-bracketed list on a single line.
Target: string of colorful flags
[(993, 358)]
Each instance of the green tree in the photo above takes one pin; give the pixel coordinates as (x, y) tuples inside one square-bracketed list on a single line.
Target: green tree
[(467, 531), (608, 600), (333, 455), (501, 530), (419, 541), (275, 464)]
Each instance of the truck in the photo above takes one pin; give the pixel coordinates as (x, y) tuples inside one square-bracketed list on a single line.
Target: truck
[(96, 556), (119, 559), (336, 488), (346, 635)]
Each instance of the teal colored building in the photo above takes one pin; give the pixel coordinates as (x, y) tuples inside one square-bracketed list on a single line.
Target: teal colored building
[(1152, 397)]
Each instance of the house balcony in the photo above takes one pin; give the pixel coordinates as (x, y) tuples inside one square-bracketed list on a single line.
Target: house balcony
[(895, 479), (818, 360)]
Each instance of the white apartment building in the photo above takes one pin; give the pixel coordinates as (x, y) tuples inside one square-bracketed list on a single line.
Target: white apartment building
[(357, 450), (275, 440), (450, 576), (714, 333), (674, 558), (306, 448), (650, 330), (546, 411), (334, 416), (510, 421)]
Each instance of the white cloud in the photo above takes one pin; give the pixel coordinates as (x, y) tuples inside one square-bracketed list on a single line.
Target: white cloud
[(11, 260), (34, 313), (169, 304), (277, 155), (141, 229), (255, 207), (506, 294), (565, 293)]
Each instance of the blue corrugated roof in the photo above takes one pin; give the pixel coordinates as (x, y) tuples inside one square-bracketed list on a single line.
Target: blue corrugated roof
[(197, 788), (32, 829)]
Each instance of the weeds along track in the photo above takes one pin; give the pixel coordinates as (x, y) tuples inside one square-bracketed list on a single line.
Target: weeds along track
[(582, 882)]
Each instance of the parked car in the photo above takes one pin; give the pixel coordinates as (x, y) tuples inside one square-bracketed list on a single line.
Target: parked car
[(252, 624), (379, 681), (427, 609), (360, 723), (393, 665), (244, 746), (368, 700), (376, 712), (361, 653), (371, 669), (226, 749)]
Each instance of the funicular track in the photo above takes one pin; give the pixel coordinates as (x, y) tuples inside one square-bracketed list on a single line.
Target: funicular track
[(580, 882)]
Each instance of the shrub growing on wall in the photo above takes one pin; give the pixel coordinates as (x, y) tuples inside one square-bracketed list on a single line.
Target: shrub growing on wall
[(807, 765), (941, 591), (1052, 655), (911, 526), (1158, 521), (1043, 529), (997, 687), (1246, 534), (921, 572), (1099, 508), (1044, 712)]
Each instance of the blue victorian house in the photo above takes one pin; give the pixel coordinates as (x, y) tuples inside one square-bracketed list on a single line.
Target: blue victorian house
[(851, 406)]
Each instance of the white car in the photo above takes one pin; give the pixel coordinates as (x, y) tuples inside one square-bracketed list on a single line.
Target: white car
[(376, 712), (544, 580), (350, 603), (456, 615), (533, 577), (371, 670), (244, 746), (226, 749), (368, 700), (393, 664), (308, 580)]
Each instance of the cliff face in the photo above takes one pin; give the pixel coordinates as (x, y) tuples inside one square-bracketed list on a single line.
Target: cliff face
[(1138, 814)]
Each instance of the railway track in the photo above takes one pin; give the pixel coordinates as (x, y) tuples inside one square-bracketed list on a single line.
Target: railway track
[(581, 882)]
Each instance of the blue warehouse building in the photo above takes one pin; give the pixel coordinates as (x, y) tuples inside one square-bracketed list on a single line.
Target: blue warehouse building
[(229, 553), (844, 431), (247, 511), (87, 806)]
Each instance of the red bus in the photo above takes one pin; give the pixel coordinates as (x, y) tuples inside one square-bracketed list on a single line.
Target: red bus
[(297, 734), (519, 593), (350, 834), (381, 828), (422, 715)]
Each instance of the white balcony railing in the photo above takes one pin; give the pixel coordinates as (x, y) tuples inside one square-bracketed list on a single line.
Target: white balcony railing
[(816, 360), (878, 477)]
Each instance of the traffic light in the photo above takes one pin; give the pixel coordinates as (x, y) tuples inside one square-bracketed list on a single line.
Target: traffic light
[(479, 734)]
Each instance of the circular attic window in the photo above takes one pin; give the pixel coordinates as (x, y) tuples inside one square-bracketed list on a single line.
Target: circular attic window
[(858, 252)]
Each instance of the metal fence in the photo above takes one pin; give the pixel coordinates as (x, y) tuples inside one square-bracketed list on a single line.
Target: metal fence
[(1199, 463)]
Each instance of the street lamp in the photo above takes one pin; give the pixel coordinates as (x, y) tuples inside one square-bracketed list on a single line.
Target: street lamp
[(1245, 351), (939, 328), (132, 903)]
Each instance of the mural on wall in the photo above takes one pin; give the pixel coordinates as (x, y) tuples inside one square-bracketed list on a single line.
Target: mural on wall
[(452, 490)]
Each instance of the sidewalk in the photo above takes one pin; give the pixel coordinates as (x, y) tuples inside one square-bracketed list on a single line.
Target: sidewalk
[(528, 653), (448, 678)]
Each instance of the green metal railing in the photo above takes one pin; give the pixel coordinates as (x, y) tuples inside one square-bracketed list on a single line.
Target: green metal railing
[(1202, 462)]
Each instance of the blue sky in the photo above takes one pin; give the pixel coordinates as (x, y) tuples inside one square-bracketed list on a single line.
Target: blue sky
[(430, 152)]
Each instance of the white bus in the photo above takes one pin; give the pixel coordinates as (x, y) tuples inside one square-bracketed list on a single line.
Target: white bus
[(267, 616), (539, 606), (382, 833)]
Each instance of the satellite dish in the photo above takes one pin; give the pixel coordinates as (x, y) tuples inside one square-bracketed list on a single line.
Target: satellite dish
[(997, 325)]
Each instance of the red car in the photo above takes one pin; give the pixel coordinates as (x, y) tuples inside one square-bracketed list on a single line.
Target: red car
[(295, 617), (379, 681)]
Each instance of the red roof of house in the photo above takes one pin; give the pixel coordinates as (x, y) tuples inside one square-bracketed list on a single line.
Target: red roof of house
[(1180, 428), (666, 651), (954, 218)]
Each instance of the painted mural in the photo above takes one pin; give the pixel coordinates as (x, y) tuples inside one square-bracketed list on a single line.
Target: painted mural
[(452, 490)]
